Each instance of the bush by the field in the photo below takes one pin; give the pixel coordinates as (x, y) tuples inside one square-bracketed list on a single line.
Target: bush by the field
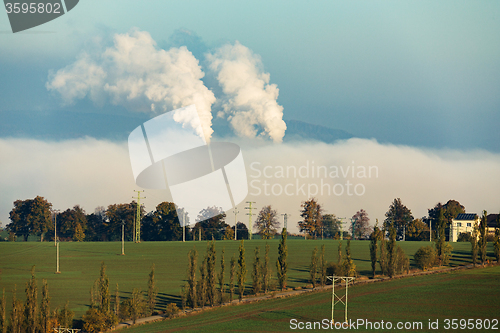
[(425, 257), (464, 237)]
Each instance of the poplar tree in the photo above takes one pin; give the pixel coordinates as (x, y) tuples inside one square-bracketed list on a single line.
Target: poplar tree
[(3, 318), (473, 244), (242, 270), (30, 305), (266, 271), (383, 253), (483, 238), (232, 273), (257, 272), (45, 307), (202, 283), (16, 314), (496, 244), (313, 267), (192, 290), (152, 290), (281, 264), (440, 236), (322, 266), (391, 252), (339, 253), (221, 277), (211, 273), (117, 301), (374, 248)]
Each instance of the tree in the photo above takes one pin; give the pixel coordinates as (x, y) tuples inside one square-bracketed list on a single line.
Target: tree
[(65, 316), (45, 308), (242, 270), (267, 222), (211, 274), (313, 267), (361, 224), (117, 301), (117, 213), (348, 267), (391, 251), (100, 312), (242, 230), (266, 271), (30, 305), (232, 273), (440, 236), (483, 241), (71, 224), (136, 305), (221, 277), (450, 210), (228, 233), (152, 290), (211, 220), (383, 253), (417, 230), (398, 216), (163, 224), (331, 226), (322, 266), (496, 243), (30, 217), (425, 257), (473, 244), (374, 238), (192, 292), (311, 214), (202, 283), (257, 272), (16, 314), (3, 318), (96, 226), (281, 264)]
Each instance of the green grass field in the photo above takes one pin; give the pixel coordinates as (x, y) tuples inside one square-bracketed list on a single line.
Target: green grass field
[(80, 262), (464, 294)]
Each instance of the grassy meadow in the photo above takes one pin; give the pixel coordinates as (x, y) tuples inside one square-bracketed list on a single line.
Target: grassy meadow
[(463, 294), (80, 262)]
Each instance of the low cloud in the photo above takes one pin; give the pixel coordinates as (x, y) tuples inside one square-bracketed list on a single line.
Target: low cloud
[(96, 173)]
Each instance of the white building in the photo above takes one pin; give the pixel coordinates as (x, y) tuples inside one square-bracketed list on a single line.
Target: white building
[(463, 223)]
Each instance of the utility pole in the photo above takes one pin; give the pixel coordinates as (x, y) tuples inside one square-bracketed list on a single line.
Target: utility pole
[(250, 218), (137, 237), (285, 220), (341, 227), (183, 227), (56, 211), (57, 258), (353, 221), (235, 211)]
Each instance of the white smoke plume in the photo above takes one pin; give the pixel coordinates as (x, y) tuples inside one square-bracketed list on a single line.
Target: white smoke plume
[(138, 75), (249, 101)]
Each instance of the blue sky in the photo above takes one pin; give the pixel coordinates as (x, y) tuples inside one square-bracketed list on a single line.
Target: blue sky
[(417, 75)]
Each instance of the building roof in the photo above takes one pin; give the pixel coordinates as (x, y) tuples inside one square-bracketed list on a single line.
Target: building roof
[(466, 217), (491, 220)]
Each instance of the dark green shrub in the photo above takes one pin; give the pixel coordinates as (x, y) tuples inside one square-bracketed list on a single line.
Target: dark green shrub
[(425, 257)]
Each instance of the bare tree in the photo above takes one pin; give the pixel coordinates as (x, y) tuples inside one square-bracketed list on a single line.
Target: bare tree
[(361, 224)]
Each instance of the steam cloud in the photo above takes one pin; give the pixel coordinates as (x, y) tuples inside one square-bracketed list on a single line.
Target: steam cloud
[(250, 100), (136, 74)]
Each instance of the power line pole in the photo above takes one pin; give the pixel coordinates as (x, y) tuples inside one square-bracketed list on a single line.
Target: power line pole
[(250, 218), (123, 238), (341, 227), (56, 211), (235, 211), (138, 217), (57, 258), (285, 220), (184, 218)]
